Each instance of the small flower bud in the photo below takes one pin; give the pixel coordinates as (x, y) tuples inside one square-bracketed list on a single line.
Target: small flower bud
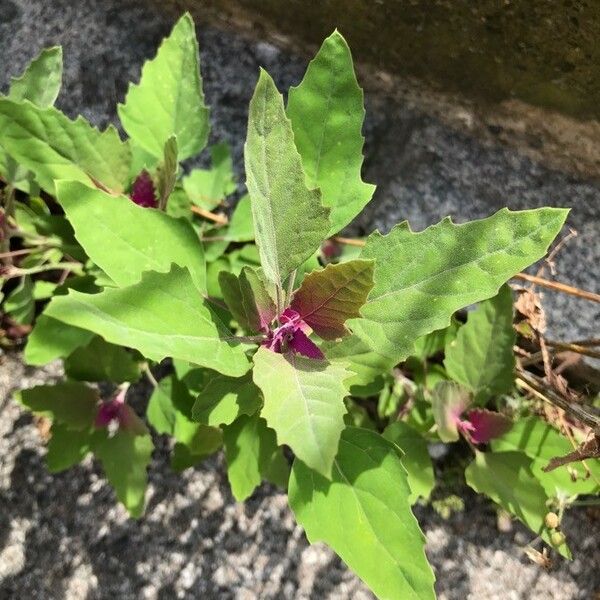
[(551, 520), (557, 538)]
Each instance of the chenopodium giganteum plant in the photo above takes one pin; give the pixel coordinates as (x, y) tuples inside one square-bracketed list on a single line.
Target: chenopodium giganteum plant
[(269, 347)]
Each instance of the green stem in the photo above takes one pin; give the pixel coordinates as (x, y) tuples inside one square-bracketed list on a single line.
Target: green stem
[(290, 288), (64, 266)]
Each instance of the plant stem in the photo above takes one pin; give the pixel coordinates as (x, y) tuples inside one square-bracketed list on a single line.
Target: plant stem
[(71, 266), (220, 219), (290, 287), (585, 415), (559, 287)]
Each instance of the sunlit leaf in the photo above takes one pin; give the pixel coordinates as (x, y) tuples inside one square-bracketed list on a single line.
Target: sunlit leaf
[(364, 515), (139, 239), (422, 278), (327, 113), (290, 222), (330, 296), (162, 315), (304, 404), (53, 147), (169, 99)]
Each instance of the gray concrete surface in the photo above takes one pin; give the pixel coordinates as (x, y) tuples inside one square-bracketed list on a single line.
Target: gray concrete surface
[(62, 536)]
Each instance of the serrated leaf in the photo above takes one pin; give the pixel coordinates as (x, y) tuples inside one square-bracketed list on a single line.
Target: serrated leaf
[(140, 239), (208, 188), (53, 147), (422, 278), (248, 298), (415, 458), (330, 296), (507, 478), (66, 447), (101, 361), (541, 442), (250, 449), (51, 339), (481, 356), (327, 113), (289, 221), (40, 84), (41, 80), (72, 403), (223, 399), (125, 458), (364, 515), (169, 99), (304, 404), (162, 315)]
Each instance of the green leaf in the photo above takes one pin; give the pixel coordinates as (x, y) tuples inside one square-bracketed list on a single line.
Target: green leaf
[(19, 304), (223, 399), (169, 99), (66, 447), (250, 449), (422, 278), (125, 458), (248, 298), (481, 356), (289, 220), (304, 404), (368, 365), (43, 290), (163, 315), (507, 478), (161, 410), (330, 296), (53, 147), (415, 458), (432, 343), (327, 113), (51, 339), (167, 172), (102, 221), (71, 403), (41, 80), (208, 188), (241, 226), (40, 84), (195, 441), (101, 361), (541, 442), (364, 514)]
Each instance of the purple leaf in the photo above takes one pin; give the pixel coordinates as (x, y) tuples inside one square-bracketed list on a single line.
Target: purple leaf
[(142, 191), (291, 335), (330, 296), (485, 425), (302, 344), (116, 410)]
